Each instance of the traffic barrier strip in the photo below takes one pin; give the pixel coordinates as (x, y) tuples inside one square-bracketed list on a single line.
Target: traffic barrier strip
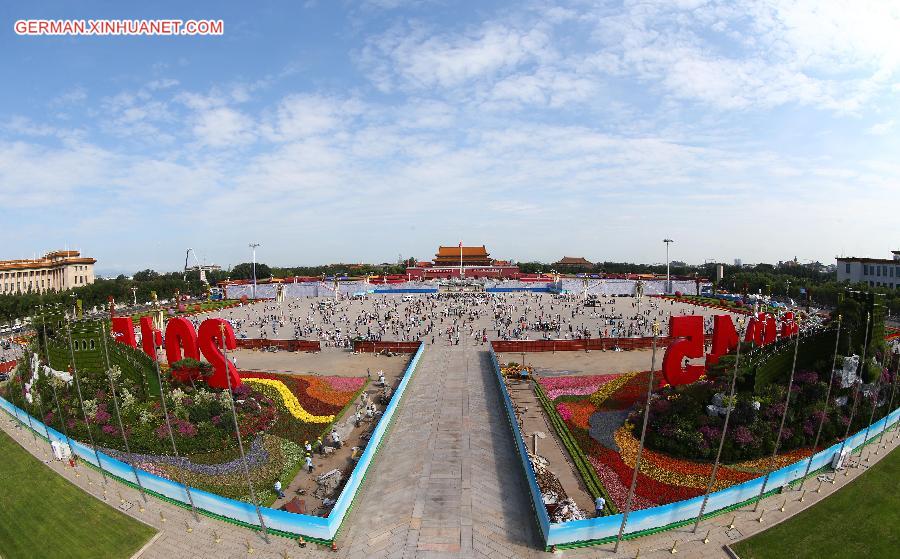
[(286, 345), (605, 528), (279, 521), (584, 344), (363, 346)]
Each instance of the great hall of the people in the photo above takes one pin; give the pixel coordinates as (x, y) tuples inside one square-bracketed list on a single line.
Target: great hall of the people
[(56, 271)]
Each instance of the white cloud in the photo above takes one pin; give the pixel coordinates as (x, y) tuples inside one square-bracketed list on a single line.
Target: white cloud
[(882, 128), (300, 116), (223, 127), (416, 57)]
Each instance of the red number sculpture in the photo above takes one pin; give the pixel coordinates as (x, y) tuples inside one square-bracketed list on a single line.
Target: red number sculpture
[(211, 336), (690, 330), (180, 335), (123, 330), (725, 338), (149, 337), (788, 325)]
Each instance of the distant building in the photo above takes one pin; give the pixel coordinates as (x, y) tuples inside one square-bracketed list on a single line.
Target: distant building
[(462, 261), (738, 262), (876, 272), (465, 256), (204, 267), (574, 262), (56, 271)]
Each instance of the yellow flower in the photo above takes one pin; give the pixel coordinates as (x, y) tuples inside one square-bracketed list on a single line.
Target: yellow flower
[(290, 401), (606, 390)]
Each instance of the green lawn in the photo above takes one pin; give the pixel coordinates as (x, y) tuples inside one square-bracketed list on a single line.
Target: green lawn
[(43, 515), (860, 520)]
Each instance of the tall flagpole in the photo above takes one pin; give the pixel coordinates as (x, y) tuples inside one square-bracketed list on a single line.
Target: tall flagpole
[(856, 390), (115, 398), (637, 463), (62, 419), (871, 415), (837, 339), (787, 404), (237, 431), (731, 404), (18, 372), (36, 395), (890, 408), (81, 400), (162, 398)]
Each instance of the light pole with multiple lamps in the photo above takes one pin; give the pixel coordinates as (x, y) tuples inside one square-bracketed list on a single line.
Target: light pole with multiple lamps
[(253, 250), (668, 281)]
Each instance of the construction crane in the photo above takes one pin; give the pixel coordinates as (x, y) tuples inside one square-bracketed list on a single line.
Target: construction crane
[(200, 267)]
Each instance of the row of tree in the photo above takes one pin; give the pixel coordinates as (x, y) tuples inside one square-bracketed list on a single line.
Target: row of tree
[(797, 282)]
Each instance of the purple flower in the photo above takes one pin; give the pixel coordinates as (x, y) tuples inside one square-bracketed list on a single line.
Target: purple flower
[(710, 432), (48, 419), (162, 431), (742, 436), (186, 428), (102, 417), (786, 433), (809, 427), (110, 430), (807, 377), (775, 410)]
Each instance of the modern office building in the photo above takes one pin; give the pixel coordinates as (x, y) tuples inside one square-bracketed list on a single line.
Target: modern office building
[(56, 271), (876, 272)]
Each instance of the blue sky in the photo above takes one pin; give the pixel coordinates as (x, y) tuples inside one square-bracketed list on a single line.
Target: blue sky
[(357, 131)]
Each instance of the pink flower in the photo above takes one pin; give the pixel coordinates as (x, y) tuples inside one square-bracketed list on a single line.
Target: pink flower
[(564, 411), (345, 384), (555, 387)]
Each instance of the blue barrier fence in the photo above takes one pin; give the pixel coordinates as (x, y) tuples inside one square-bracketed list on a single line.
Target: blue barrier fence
[(660, 517), (299, 524), (543, 289)]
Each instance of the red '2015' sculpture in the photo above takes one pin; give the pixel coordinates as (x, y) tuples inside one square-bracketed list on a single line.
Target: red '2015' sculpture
[(688, 341), (182, 342)]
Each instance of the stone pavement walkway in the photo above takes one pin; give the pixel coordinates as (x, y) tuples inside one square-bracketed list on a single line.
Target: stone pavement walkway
[(446, 483)]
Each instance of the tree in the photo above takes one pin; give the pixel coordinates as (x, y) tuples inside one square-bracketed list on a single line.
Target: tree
[(245, 271), (145, 275)]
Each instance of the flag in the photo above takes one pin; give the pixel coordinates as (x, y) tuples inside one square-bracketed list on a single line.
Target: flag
[(460, 244)]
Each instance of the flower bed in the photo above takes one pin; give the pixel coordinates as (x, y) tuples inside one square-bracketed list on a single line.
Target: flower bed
[(581, 405)]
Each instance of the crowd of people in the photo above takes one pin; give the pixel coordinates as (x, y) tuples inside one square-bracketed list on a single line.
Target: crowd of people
[(447, 318)]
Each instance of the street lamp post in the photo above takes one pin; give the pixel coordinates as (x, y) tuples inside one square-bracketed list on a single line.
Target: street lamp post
[(253, 250), (668, 280)]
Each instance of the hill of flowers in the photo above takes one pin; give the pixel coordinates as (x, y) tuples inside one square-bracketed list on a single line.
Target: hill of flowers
[(276, 414), (598, 411)]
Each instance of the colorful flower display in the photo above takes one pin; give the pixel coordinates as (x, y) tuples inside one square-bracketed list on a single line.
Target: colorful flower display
[(290, 401), (590, 404), (554, 387)]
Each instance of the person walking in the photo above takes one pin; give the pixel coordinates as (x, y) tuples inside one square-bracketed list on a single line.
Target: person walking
[(278, 490), (309, 464), (599, 505)]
